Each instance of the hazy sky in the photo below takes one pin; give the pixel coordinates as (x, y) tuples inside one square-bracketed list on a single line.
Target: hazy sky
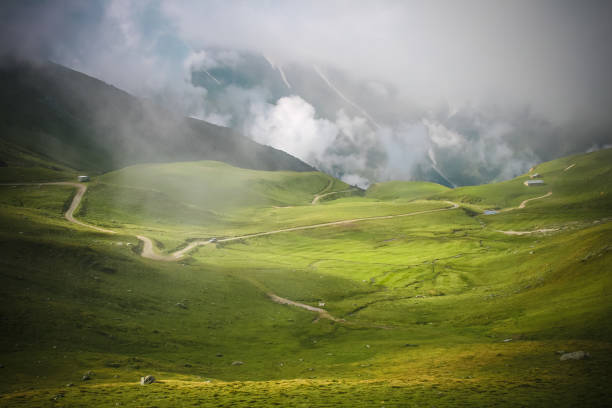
[(553, 58), (553, 55)]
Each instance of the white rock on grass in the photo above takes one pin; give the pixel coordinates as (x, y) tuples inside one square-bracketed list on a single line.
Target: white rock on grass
[(149, 379), (576, 355)]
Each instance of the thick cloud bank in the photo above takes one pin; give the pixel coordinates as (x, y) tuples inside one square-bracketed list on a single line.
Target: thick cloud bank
[(455, 92)]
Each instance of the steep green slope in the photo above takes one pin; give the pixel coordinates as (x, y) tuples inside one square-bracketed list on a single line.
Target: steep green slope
[(85, 124), (20, 164), (438, 309), (578, 181)]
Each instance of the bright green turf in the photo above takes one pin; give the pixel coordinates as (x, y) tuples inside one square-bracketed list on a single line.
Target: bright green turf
[(428, 299), (404, 190)]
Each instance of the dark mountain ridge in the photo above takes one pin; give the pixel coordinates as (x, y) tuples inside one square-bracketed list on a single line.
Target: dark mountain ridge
[(86, 124)]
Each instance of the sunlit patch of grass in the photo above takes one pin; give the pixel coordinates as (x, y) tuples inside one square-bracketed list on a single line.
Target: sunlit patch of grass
[(440, 309)]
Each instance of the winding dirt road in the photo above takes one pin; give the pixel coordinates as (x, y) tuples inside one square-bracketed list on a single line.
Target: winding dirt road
[(178, 254), (541, 231), (69, 214), (148, 250), (522, 205), (323, 314), (321, 193), (320, 196)]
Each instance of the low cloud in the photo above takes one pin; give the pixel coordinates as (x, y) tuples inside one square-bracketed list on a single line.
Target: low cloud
[(473, 91)]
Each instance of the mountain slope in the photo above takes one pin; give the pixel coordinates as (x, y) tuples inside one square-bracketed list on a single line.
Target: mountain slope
[(439, 308), (86, 124)]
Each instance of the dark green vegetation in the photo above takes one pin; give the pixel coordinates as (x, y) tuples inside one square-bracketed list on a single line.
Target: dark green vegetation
[(440, 309), (86, 124)]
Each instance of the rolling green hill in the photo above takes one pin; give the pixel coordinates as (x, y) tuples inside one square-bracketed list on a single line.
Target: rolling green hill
[(82, 123), (426, 304), (404, 190)]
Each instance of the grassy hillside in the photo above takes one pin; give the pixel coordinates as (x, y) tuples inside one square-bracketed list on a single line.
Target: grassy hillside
[(587, 182), (20, 164), (204, 199), (404, 190), (436, 309), (86, 124)]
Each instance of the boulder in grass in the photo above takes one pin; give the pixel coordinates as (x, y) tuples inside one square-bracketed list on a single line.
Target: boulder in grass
[(237, 363), (149, 379), (576, 355)]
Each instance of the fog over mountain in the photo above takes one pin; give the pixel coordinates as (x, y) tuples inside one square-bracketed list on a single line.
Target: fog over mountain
[(454, 92)]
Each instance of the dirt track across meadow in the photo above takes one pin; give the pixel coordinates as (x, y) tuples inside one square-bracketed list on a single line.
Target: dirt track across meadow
[(522, 205)]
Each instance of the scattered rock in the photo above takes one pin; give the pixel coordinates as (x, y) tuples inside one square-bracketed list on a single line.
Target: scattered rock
[(367, 346), (87, 376), (187, 365), (411, 345), (149, 379), (219, 355), (181, 305), (113, 365), (576, 355), (506, 340), (560, 352), (70, 385), (237, 363), (57, 397)]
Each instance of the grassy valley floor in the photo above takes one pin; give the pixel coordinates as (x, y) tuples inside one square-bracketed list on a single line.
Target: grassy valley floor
[(443, 308)]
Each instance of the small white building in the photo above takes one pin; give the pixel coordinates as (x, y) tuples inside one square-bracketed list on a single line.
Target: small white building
[(534, 183), (83, 178)]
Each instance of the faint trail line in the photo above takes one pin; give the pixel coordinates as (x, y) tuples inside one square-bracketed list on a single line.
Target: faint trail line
[(522, 205), (194, 244), (148, 250), (542, 230), (69, 214), (323, 314), (321, 193), (320, 196)]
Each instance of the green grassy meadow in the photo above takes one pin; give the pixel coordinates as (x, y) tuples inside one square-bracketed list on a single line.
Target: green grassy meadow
[(437, 309)]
